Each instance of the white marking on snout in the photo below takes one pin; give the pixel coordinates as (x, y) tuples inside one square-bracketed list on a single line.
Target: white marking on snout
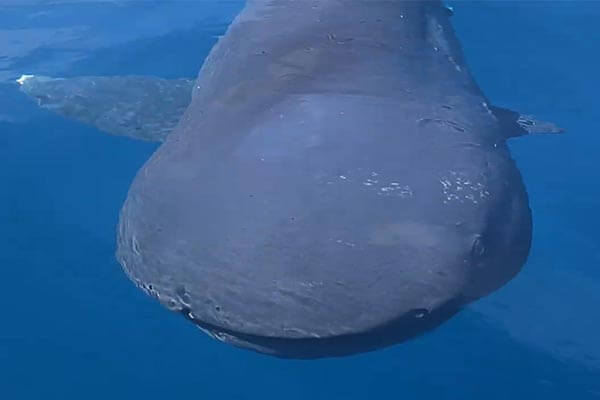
[(24, 78)]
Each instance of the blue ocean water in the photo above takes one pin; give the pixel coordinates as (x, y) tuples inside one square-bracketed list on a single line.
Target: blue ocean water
[(73, 327)]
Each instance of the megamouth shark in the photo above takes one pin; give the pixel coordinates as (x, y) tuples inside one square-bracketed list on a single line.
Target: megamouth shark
[(338, 183)]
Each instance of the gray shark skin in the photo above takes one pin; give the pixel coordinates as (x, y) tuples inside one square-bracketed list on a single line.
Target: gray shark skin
[(149, 108), (338, 184)]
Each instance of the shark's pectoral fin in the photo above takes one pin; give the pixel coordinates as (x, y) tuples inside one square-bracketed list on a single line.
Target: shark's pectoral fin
[(517, 124), (137, 106)]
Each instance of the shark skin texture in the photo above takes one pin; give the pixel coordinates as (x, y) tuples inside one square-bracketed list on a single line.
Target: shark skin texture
[(334, 181)]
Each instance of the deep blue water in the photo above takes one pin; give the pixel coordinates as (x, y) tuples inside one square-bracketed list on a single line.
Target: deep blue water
[(73, 327)]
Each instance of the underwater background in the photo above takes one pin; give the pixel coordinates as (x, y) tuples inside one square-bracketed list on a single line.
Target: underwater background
[(72, 326)]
